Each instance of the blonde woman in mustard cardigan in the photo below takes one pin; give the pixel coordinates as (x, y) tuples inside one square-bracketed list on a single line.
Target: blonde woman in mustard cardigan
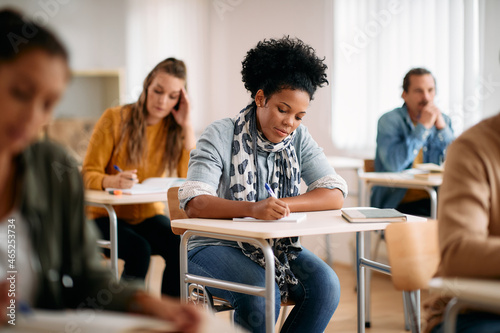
[(149, 138)]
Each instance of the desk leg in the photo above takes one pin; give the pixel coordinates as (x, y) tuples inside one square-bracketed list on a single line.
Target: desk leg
[(417, 302), (113, 238), (360, 272), (367, 254), (183, 268), (268, 293), (433, 195), (270, 281), (368, 277)]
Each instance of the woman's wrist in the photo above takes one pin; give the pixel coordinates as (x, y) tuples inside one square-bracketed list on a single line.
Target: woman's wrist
[(108, 181), (188, 136)]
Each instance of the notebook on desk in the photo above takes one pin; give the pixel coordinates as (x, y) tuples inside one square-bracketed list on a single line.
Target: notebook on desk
[(292, 218), (151, 185), (373, 215), (429, 171)]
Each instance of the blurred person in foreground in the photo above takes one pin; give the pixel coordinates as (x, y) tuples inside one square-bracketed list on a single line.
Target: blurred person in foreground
[(469, 222), (57, 260)]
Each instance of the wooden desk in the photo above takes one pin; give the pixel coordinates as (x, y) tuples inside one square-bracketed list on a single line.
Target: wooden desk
[(105, 200), (477, 293), (317, 223), (400, 180)]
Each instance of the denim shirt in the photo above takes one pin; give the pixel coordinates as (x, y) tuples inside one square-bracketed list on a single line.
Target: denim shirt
[(209, 166), (398, 143)]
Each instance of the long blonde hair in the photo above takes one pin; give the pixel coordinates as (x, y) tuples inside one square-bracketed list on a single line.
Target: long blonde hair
[(135, 124)]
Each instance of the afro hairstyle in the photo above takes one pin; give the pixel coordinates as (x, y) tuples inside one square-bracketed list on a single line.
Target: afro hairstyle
[(286, 63)]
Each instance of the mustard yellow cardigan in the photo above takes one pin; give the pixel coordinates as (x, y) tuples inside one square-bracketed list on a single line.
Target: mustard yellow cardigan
[(102, 156)]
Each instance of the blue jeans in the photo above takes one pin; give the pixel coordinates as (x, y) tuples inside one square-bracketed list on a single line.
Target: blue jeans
[(316, 296), (474, 322)]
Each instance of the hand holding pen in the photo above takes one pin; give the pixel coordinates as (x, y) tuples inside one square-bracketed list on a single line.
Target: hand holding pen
[(271, 208), (124, 179)]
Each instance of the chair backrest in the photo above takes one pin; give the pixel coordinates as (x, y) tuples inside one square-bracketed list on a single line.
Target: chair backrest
[(173, 208), (369, 165), (413, 252)]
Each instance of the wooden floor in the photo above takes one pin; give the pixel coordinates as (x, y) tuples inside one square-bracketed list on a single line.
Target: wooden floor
[(387, 303)]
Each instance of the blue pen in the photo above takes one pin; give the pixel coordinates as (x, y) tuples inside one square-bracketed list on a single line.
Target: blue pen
[(270, 190), (24, 308), (117, 168)]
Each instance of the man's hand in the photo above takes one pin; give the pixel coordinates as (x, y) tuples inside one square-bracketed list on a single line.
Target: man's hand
[(428, 115), (440, 123)]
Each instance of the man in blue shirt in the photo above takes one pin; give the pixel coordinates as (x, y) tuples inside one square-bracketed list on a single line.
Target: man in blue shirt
[(417, 132)]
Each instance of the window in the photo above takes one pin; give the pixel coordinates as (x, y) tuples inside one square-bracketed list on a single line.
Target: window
[(376, 43)]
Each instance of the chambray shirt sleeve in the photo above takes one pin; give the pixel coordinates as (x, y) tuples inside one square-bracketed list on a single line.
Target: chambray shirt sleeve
[(440, 141), (207, 161), (315, 169), (397, 142)]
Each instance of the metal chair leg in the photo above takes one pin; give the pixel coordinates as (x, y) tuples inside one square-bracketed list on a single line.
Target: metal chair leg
[(405, 310), (450, 315), (413, 312)]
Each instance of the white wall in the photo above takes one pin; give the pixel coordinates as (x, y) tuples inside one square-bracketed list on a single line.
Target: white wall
[(241, 26), (93, 30), (490, 88)]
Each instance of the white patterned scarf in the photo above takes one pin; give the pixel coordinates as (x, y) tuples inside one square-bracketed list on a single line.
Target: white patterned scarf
[(285, 182)]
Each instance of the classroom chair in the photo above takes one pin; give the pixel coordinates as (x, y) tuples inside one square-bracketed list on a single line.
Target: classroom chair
[(459, 303), (413, 252), (197, 293)]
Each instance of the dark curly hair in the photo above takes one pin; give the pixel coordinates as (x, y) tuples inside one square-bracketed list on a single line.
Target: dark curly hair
[(286, 63)]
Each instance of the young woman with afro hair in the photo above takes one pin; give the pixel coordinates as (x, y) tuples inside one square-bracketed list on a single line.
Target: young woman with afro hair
[(234, 159)]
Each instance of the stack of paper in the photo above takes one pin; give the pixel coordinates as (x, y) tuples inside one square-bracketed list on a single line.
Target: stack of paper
[(430, 171)]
